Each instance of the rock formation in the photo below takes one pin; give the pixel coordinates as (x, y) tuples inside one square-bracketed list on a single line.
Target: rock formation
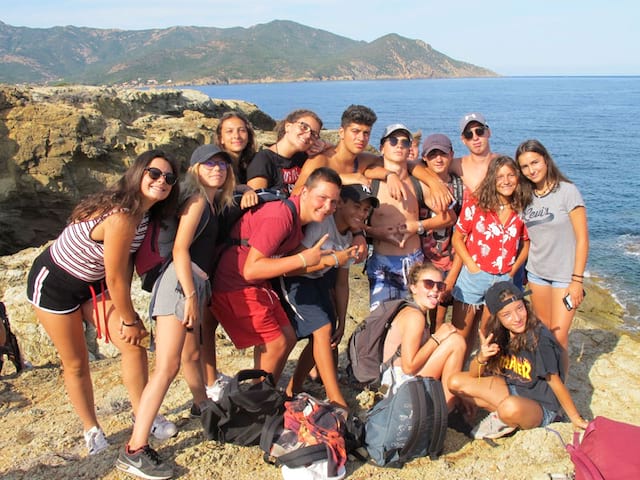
[(58, 145)]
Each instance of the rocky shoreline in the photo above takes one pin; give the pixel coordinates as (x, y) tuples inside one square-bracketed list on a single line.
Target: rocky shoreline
[(41, 436)]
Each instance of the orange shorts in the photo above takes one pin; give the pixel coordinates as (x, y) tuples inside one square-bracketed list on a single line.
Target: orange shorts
[(252, 316)]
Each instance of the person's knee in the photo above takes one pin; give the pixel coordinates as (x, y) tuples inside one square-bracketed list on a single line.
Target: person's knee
[(167, 369), (456, 383), (510, 409)]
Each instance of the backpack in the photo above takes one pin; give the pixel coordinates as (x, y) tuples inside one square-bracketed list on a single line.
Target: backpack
[(155, 251), (308, 437), (244, 406), (409, 424), (608, 450), (366, 345), (10, 347)]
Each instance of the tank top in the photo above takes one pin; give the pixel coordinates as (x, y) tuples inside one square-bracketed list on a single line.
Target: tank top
[(82, 257)]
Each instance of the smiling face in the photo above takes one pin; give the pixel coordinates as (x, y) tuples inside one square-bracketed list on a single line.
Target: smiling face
[(534, 168), (234, 135), (513, 317), (439, 162), (302, 133), (427, 293), (353, 214), (213, 172), (318, 201), (156, 190), (506, 181)]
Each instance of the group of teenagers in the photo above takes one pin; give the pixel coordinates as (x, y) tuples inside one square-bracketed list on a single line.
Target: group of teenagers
[(436, 229)]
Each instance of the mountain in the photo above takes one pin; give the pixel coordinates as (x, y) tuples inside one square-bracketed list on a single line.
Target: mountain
[(275, 51)]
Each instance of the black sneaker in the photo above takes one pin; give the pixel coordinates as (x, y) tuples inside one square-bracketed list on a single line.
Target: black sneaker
[(144, 463)]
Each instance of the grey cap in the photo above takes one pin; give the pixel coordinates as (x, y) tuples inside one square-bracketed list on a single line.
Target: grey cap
[(437, 141), (394, 127), (205, 152), (472, 117), (358, 193)]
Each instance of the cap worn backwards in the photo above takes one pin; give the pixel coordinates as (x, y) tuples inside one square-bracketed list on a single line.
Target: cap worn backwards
[(496, 299)]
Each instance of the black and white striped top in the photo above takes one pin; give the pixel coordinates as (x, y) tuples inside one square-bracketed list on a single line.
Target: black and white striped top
[(79, 255)]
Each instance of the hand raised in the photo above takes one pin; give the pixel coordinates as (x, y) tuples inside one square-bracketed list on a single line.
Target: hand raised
[(313, 255), (488, 348)]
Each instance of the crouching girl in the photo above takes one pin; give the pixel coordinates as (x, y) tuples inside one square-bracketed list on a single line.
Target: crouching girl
[(517, 373)]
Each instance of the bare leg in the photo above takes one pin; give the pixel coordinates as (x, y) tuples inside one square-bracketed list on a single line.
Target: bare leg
[(67, 334), (192, 366), (304, 365), (208, 348), (169, 342), (485, 392), (465, 318), (272, 356), (324, 360), (520, 412)]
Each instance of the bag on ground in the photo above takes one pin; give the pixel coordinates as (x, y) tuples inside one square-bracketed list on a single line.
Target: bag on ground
[(366, 345), (608, 450), (243, 408), (10, 347), (408, 424), (307, 440)]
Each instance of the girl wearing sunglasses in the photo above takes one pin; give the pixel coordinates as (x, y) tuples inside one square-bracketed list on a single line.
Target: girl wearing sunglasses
[(86, 275), (439, 355), (180, 298)]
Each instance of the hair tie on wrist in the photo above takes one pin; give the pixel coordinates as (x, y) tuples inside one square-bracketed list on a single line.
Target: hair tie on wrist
[(435, 339), (304, 260)]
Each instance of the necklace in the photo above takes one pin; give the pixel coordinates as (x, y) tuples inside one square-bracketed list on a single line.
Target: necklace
[(502, 206), (542, 192)]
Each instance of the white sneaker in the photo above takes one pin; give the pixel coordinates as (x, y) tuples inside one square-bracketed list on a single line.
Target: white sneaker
[(162, 429), (95, 440), (215, 391), (491, 427)]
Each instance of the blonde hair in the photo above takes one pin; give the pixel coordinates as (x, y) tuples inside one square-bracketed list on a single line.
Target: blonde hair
[(224, 196)]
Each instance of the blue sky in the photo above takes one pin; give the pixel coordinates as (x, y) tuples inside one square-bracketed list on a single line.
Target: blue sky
[(511, 37)]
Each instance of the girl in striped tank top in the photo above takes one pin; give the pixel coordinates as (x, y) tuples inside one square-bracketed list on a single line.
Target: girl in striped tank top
[(86, 275)]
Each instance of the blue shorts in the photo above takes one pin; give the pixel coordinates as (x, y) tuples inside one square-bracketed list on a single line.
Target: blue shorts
[(471, 287), (533, 278), (309, 303), (548, 416), (388, 276)]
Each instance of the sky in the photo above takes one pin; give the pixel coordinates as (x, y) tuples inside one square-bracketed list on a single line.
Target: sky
[(510, 37)]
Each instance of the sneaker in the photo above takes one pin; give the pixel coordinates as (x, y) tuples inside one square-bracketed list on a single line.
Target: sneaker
[(95, 440), (145, 463), (215, 391), (195, 411), (491, 427), (162, 429)]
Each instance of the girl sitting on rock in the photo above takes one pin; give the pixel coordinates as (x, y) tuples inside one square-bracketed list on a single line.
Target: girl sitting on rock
[(517, 373)]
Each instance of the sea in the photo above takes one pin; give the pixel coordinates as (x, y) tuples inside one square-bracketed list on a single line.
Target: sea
[(591, 126)]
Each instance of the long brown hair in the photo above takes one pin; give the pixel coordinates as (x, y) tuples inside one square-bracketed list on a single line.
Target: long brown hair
[(126, 193), (554, 175), (487, 193)]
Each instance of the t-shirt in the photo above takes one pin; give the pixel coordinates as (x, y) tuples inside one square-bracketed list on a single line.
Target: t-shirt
[(336, 241), (281, 173), (271, 229), (552, 252), (527, 370), (492, 245)]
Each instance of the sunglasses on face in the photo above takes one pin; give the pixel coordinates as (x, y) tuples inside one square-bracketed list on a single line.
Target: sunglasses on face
[(156, 173), (431, 284), (479, 131), (306, 128), (404, 142), (215, 163)]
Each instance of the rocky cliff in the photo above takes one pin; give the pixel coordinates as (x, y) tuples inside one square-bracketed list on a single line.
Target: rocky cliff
[(58, 145)]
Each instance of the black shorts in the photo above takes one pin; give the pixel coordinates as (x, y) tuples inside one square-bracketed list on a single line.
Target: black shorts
[(52, 289)]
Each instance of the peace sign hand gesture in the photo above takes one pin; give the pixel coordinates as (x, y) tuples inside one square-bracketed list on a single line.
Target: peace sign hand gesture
[(488, 348), (313, 255)]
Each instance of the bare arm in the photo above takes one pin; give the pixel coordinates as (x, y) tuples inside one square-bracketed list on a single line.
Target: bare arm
[(187, 226), (578, 218), (564, 397), (309, 166), (521, 258), (440, 194), (258, 182)]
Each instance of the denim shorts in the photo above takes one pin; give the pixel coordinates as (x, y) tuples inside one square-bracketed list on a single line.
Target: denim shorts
[(548, 416), (533, 278), (471, 287)]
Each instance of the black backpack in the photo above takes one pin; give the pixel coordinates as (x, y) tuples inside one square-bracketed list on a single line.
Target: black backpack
[(366, 345), (408, 424), (10, 347), (243, 408)]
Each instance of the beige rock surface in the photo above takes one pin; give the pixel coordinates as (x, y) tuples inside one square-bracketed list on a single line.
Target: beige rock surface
[(41, 436)]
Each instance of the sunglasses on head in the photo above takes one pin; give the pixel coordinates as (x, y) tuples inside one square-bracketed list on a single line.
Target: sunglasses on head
[(404, 142), (306, 128), (479, 131), (430, 284), (156, 173), (215, 163)]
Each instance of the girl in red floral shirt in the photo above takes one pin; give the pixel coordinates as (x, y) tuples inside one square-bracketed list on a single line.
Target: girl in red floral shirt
[(491, 240)]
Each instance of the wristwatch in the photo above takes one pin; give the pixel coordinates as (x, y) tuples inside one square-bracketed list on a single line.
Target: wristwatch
[(420, 228)]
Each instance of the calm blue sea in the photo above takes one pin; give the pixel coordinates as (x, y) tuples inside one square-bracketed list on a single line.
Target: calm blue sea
[(590, 125)]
